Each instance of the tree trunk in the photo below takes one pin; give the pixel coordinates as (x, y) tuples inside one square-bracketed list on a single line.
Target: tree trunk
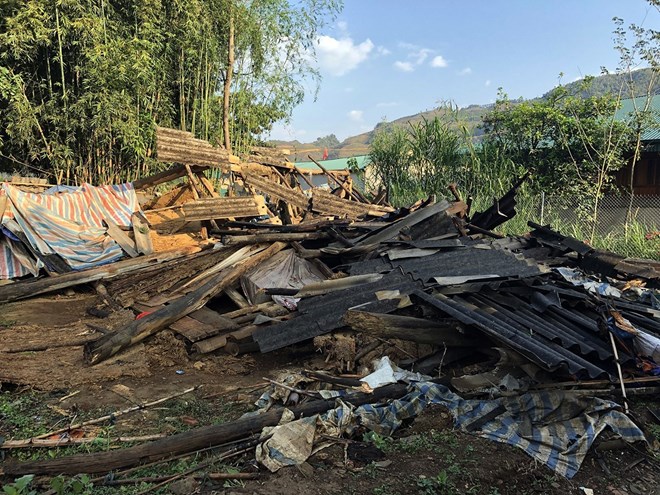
[(227, 87), (445, 331)]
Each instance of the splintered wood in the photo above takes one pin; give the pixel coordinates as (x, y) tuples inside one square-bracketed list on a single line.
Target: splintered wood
[(329, 204)]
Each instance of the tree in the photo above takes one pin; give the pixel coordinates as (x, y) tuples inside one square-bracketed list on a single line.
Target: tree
[(83, 83), (572, 144), (644, 50)]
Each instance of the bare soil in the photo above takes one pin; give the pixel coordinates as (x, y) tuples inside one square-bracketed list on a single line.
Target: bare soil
[(426, 457)]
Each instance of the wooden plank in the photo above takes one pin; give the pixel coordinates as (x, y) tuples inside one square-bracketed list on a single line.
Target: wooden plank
[(226, 207), (329, 204), (235, 240), (141, 233), (192, 329), (173, 145), (213, 318), (121, 238), (33, 287), (139, 330), (278, 191)]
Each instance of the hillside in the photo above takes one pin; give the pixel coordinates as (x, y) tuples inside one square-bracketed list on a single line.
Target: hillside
[(470, 116)]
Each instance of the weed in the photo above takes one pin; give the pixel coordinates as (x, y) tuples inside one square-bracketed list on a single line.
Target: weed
[(441, 484), (380, 442), (23, 415), (78, 485), (20, 486), (384, 489)]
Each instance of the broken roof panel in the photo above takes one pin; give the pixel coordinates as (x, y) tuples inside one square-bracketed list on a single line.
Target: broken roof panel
[(528, 342), (321, 314)]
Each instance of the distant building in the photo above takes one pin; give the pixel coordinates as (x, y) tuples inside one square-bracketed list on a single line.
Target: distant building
[(646, 181), (334, 165)]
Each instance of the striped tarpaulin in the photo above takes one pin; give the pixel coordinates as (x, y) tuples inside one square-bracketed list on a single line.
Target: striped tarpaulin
[(68, 224)]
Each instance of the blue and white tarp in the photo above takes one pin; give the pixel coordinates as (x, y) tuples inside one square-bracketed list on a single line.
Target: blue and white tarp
[(68, 224), (555, 427)]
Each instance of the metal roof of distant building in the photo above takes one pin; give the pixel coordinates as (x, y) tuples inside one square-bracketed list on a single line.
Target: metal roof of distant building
[(336, 164), (628, 108)]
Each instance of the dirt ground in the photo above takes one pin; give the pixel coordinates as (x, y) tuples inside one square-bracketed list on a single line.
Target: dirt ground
[(41, 358)]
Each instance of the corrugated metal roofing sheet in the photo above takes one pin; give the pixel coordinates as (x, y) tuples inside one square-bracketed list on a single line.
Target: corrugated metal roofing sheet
[(631, 105), (455, 262), (321, 314)]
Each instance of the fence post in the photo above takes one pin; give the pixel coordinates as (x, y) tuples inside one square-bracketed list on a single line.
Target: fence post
[(542, 206)]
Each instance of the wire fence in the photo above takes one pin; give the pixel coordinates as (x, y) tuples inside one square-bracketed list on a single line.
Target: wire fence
[(627, 225)]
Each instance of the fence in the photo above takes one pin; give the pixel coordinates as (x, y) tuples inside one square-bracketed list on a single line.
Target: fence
[(625, 225)]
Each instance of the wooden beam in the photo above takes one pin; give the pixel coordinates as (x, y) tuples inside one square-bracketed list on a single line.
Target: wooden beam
[(141, 231), (138, 330), (445, 331), (29, 288), (189, 441)]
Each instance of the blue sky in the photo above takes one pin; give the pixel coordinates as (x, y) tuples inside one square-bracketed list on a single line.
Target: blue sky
[(392, 58)]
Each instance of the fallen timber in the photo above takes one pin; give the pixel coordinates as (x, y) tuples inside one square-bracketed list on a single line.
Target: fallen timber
[(190, 441), (33, 287), (140, 329)]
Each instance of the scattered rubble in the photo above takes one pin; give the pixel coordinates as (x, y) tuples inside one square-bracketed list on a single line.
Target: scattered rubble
[(515, 336)]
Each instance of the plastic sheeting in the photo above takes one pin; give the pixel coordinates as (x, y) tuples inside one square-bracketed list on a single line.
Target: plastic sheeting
[(68, 224), (555, 427), (285, 270)]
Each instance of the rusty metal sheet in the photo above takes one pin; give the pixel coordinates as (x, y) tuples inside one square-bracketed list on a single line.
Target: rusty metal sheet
[(278, 191), (215, 208)]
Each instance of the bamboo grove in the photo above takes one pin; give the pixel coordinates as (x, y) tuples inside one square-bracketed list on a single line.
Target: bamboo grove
[(83, 83)]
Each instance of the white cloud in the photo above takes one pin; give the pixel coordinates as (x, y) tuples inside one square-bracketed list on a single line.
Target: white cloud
[(339, 56), (404, 66), (408, 46), (386, 104), (382, 50), (438, 62), (465, 72), (342, 26), (417, 55), (487, 83), (421, 55), (356, 115)]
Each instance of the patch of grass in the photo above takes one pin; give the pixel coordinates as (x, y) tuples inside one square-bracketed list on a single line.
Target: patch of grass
[(23, 415), (440, 484), (201, 411)]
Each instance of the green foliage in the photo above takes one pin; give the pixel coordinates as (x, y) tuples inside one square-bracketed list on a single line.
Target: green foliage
[(20, 486), (78, 485), (569, 142), (83, 84), (329, 141), (440, 484), (22, 415), (431, 154)]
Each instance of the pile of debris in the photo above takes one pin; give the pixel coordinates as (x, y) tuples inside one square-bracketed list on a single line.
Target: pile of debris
[(513, 321)]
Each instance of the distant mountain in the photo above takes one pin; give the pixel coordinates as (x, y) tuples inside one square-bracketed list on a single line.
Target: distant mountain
[(470, 116), (636, 83)]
